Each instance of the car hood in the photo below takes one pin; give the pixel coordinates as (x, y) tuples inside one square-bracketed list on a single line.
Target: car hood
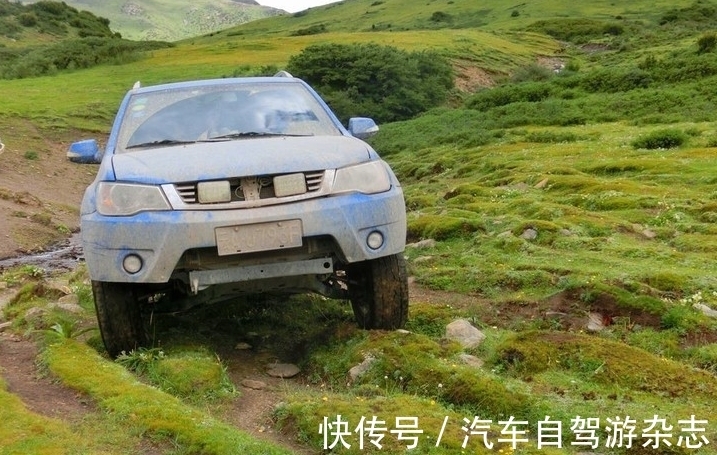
[(237, 158)]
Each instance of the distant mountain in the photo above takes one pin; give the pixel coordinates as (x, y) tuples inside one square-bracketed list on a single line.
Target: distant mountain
[(172, 20)]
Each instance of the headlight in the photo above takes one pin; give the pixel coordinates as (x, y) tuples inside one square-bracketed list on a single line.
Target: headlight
[(368, 178), (122, 199)]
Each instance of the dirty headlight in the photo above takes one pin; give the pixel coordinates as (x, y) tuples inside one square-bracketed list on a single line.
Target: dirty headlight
[(122, 199), (368, 178)]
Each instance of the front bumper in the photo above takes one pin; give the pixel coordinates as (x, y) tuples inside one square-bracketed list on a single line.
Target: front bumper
[(160, 239)]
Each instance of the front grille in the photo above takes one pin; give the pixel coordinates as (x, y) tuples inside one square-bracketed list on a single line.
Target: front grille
[(187, 191)]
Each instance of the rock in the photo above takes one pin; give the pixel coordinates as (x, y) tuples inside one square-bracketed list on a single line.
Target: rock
[(595, 322), (648, 234), (254, 385), (541, 184), (360, 369), (72, 299), (464, 333), (420, 259), (35, 315), (530, 234), (403, 331), (5, 325), (283, 370), (707, 311), (471, 360), (242, 346), (3, 285), (566, 232), (69, 307), (428, 243)]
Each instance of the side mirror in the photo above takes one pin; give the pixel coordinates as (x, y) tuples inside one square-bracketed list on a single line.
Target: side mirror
[(362, 127), (84, 152)]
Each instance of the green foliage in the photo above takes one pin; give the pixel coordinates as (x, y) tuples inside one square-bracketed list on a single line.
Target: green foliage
[(532, 72), (442, 227), (699, 15), (602, 361), (52, 18), (577, 31), (313, 30), (66, 328), (147, 409), (140, 360), (72, 55), (661, 139), (529, 92), (706, 43), (548, 137), (75, 39), (194, 375), (440, 16), (382, 82), (611, 80)]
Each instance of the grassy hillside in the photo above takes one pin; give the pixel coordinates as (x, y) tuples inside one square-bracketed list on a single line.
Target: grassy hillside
[(568, 211), (162, 20)]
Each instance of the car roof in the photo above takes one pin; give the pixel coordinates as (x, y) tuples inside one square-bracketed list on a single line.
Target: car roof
[(238, 81)]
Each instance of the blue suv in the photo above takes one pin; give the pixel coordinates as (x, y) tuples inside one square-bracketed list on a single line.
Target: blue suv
[(211, 189)]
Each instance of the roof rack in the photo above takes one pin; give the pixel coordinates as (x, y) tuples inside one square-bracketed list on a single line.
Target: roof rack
[(283, 73)]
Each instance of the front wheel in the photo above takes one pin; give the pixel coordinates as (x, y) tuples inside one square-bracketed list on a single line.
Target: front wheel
[(378, 291), (119, 317)]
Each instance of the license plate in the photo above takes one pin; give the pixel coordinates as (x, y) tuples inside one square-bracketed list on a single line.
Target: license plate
[(258, 237)]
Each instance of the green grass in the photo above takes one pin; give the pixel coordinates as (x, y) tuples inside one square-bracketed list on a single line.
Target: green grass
[(622, 229), (145, 408)]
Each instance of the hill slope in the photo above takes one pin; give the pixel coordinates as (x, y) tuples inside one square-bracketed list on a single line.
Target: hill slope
[(172, 20)]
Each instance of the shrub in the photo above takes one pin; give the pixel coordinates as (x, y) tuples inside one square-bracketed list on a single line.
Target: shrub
[(440, 16), (613, 80), (576, 30), (508, 94), (368, 79), (706, 43), (661, 139), (313, 30), (533, 72), (27, 19), (73, 54)]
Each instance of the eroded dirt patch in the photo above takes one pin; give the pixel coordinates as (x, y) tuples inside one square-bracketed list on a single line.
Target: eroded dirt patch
[(40, 393)]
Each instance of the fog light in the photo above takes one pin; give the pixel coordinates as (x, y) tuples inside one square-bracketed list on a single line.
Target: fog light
[(132, 263), (375, 240)]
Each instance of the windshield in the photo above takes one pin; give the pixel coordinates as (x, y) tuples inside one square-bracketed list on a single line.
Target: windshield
[(221, 113)]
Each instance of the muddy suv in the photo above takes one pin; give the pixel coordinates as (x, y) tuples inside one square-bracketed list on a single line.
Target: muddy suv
[(211, 189)]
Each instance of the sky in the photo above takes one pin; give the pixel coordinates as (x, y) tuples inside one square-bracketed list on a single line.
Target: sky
[(293, 6)]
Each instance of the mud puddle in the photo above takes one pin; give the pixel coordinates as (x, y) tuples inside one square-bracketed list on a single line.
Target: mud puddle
[(62, 256)]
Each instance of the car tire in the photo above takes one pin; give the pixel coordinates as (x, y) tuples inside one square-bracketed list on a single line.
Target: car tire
[(378, 291), (119, 317)]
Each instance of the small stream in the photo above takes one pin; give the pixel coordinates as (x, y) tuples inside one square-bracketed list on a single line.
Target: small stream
[(65, 255)]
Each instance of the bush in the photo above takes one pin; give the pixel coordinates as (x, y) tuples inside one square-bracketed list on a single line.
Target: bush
[(614, 80), (313, 30), (576, 30), (27, 19), (73, 54), (706, 43), (383, 82), (661, 139), (508, 94)]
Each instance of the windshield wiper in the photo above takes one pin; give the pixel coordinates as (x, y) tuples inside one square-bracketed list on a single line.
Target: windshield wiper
[(160, 143), (252, 134)]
